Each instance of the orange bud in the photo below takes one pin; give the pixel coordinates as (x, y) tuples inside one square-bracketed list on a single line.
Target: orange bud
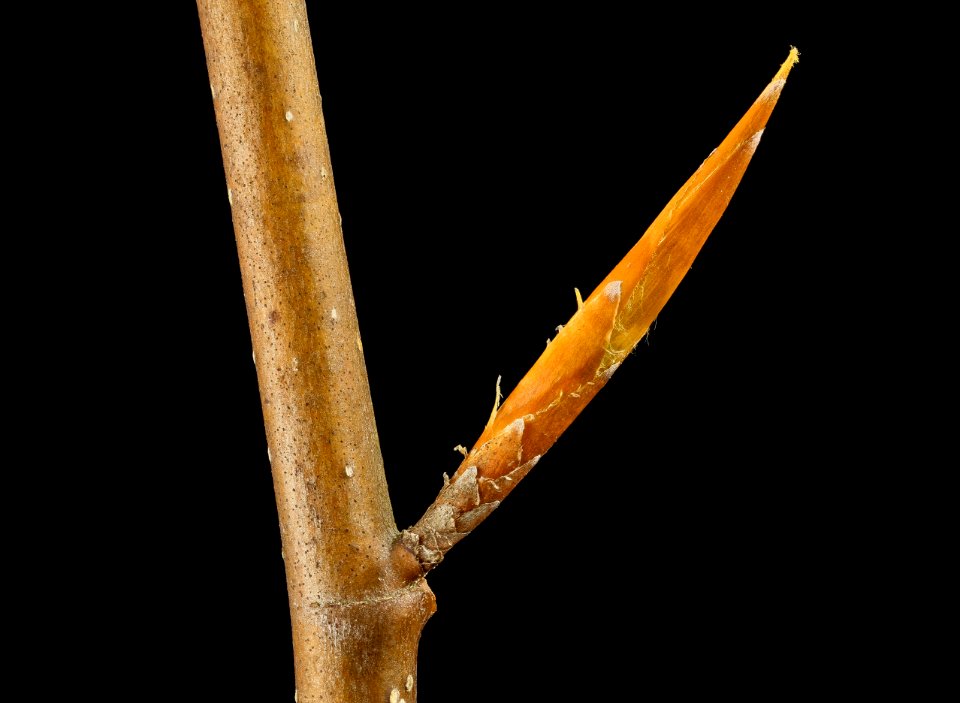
[(590, 347)]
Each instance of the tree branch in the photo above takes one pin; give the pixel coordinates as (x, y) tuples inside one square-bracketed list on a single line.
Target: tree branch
[(357, 607), (357, 597)]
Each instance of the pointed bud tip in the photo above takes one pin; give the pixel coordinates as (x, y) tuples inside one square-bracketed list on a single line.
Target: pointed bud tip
[(792, 59), (771, 93)]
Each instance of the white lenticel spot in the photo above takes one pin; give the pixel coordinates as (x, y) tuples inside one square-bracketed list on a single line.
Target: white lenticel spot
[(269, 455), (230, 196), (409, 682), (349, 471), (289, 116), (333, 314), (395, 696)]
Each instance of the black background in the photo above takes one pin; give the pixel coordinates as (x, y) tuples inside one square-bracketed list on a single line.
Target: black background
[(704, 526)]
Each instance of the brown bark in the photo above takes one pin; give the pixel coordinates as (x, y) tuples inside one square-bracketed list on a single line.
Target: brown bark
[(356, 612)]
